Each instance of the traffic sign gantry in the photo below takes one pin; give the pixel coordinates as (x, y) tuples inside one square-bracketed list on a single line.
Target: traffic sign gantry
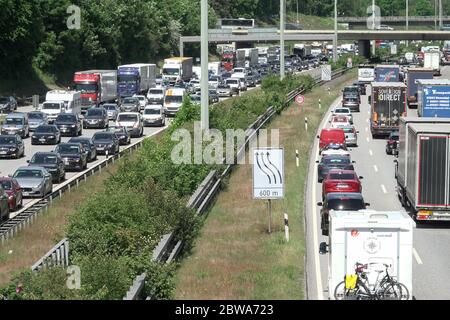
[(300, 99), (268, 173)]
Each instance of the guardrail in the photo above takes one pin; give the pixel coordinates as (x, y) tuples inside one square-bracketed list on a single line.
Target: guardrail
[(57, 256), (167, 249), (27, 215)]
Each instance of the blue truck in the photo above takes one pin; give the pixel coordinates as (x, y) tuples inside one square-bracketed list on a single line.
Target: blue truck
[(387, 73), (433, 97), (415, 74), (135, 79)]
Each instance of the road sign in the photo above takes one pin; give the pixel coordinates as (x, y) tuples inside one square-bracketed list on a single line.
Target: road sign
[(393, 48), (326, 72), (349, 62), (268, 173), (300, 99)]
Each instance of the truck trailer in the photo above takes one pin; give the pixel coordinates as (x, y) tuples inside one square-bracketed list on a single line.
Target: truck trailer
[(96, 87), (432, 60), (413, 75), (366, 73), (177, 69), (433, 98), (387, 73), (135, 78), (423, 170), (388, 104)]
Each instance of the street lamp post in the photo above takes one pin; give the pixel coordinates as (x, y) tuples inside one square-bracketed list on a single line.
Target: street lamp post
[(407, 14), (204, 102), (282, 21), (440, 14), (335, 38)]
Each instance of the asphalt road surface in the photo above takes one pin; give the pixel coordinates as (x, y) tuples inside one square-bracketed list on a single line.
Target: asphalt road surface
[(431, 258)]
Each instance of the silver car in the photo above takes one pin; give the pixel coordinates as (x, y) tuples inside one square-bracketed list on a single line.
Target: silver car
[(35, 119), (34, 181), (133, 121), (112, 109), (224, 91), (351, 136)]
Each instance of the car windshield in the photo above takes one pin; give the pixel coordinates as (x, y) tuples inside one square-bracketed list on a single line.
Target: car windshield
[(174, 99), (68, 148), (13, 121), (341, 111), (45, 129), (110, 107), (171, 71), (66, 117), (6, 184), (51, 106), (32, 115), (7, 140), (28, 173), (102, 136), (152, 111), (346, 204), (347, 129), (83, 141), (394, 137), (86, 88), (336, 160), (223, 86), (116, 129), (342, 176), (232, 81), (129, 100), (127, 117), (156, 91), (4, 100), (94, 112), (44, 158)]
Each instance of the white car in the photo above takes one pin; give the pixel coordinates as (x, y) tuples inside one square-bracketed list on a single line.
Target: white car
[(339, 122), (195, 83), (341, 111), (142, 101), (133, 121), (339, 152), (154, 115), (156, 95)]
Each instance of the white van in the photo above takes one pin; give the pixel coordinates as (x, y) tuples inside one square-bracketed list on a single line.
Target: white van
[(59, 101), (173, 100)]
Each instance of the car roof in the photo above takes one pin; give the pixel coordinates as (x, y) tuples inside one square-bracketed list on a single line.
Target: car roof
[(339, 195), (31, 168), (133, 113), (341, 171), (335, 156)]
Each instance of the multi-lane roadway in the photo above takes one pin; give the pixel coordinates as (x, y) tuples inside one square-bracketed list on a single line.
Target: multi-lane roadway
[(431, 258)]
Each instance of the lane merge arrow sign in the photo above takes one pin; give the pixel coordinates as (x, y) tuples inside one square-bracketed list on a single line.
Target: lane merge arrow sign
[(268, 173)]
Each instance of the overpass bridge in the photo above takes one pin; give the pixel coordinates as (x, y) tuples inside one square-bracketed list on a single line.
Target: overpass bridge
[(395, 20)]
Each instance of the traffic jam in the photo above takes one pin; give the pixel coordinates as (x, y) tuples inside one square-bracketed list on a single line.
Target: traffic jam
[(403, 112)]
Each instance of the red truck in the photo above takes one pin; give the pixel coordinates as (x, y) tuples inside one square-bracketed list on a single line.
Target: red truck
[(228, 60), (338, 180), (96, 87)]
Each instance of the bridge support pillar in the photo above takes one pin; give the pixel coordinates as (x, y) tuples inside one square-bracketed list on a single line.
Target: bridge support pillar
[(364, 48)]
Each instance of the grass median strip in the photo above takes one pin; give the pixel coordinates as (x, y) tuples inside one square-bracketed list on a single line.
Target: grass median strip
[(234, 257)]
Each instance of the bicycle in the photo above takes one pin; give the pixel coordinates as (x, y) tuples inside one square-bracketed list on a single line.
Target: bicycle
[(385, 289)]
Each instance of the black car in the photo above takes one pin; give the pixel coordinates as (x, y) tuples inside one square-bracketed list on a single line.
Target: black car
[(8, 104), (122, 134), (73, 155), (251, 82), (333, 162), (130, 104), (342, 202), (46, 134), (69, 124), (11, 146), (392, 143), (106, 142), (362, 87), (52, 162), (88, 145), (96, 118)]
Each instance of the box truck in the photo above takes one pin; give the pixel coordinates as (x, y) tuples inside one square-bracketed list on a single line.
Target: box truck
[(415, 74), (388, 104), (387, 73), (423, 169), (214, 68), (96, 87), (433, 98), (432, 60), (240, 58), (177, 69), (60, 101), (302, 50), (376, 238), (366, 73), (135, 78), (247, 57)]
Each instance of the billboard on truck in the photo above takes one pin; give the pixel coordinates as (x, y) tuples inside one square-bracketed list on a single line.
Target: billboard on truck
[(387, 106), (415, 74), (366, 73), (379, 239), (135, 78), (433, 98), (387, 73), (96, 86)]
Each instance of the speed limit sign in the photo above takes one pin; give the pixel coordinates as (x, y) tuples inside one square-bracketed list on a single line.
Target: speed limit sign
[(300, 99)]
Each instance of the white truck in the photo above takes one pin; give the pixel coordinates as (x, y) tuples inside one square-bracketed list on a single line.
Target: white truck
[(247, 57), (197, 72), (214, 68), (375, 238), (177, 69), (262, 55), (60, 101), (432, 60)]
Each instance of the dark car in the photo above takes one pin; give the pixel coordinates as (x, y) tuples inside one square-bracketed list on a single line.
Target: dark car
[(46, 134), (392, 143), (4, 204), (73, 156), (88, 145), (96, 118), (362, 87), (122, 134), (130, 104), (351, 102), (11, 146), (333, 162), (12, 188), (251, 82), (36, 119), (106, 142), (213, 96), (52, 162), (69, 124), (7, 104), (341, 202)]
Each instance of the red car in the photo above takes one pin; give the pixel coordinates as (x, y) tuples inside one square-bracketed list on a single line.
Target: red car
[(12, 188), (338, 180), (328, 136)]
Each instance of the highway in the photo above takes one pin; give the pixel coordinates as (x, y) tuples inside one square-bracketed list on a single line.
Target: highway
[(431, 259)]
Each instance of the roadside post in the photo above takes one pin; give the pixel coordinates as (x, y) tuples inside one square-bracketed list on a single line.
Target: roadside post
[(36, 102), (286, 227), (268, 176), (320, 104), (297, 159), (306, 124)]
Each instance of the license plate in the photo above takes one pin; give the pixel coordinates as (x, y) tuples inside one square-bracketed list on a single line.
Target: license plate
[(42, 140), (341, 186), (11, 132), (2, 152), (100, 148), (66, 161)]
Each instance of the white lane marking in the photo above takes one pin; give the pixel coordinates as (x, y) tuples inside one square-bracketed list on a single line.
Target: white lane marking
[(370, 152), (383, 188), (367, 138), (375, 168), (367, 129), (417, 257)]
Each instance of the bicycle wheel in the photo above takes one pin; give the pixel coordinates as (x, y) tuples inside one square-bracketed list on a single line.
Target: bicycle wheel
[(342, 293), (404, 291), (392, 291)]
